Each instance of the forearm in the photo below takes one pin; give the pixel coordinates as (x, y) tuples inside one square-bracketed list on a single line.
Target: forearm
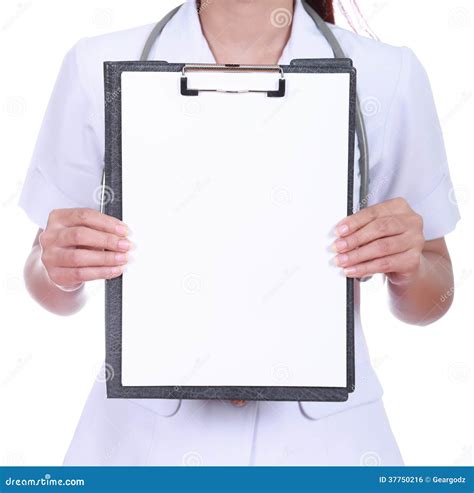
[(420, 300), (45, 292)]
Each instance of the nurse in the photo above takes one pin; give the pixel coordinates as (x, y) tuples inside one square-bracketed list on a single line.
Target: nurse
[(400, 234)]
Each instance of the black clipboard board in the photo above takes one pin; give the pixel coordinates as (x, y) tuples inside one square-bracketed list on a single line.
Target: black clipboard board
[(113, 301)]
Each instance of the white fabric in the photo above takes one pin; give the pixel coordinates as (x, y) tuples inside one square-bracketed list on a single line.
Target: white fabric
[(217, 433), (407, 158)]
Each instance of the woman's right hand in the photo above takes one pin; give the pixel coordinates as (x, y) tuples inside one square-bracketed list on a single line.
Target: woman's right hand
[(80, 245)]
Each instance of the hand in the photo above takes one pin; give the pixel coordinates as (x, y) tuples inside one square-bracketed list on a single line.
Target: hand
[(384, 238), (80, 245)]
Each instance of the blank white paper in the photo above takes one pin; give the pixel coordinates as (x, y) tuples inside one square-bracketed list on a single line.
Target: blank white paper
[(232, 200)]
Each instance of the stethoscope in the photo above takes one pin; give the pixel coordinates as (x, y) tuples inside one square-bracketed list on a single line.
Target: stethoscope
[(338, 53)]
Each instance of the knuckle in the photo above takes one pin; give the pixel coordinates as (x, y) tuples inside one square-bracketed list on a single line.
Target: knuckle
[(355, 256), (385, 246), (385, 265), (383, 225), (75, 257), (110, 242), (78, 275), (43, 238), (77, 235), (400, 202), (83, 214), (54, 215), (373, 213), (352, 241), (418, 218)]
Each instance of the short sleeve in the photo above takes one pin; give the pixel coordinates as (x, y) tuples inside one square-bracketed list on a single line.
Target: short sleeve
[(414, 163), (67, 162)]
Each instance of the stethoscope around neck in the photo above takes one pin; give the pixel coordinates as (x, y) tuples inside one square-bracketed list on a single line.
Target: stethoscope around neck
[(338, 53)]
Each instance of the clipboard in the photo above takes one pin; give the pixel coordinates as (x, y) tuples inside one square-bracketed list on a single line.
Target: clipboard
[(222, 172)]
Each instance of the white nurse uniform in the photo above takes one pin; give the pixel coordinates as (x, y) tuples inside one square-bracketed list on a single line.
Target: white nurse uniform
[(407, 158)]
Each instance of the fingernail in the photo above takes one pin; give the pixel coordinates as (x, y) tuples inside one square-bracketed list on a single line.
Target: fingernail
[(341, 260), (339, 245), (121, 229), (121, 258), (117, 270), (350, 271), (124, 245), (342, 229)]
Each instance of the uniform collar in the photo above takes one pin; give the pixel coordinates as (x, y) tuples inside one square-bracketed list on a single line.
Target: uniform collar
[(182, 39)]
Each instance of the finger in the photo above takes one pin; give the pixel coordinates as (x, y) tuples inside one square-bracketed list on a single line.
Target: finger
[(379, 228), (365, 216), (73, 276), (377, 249), (78, 257), (86, 237), (400, 263), (90, 218)]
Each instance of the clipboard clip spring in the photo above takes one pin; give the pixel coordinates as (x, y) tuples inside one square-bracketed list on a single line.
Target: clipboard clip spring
[(231, 67)]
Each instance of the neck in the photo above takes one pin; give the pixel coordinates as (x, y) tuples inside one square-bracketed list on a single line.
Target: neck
[(246, 31)]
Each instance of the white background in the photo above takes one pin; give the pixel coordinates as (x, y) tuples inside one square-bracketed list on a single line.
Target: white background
[(48, 363)]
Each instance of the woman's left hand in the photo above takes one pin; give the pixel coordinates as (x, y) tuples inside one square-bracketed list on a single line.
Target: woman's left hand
[(385, 238)]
